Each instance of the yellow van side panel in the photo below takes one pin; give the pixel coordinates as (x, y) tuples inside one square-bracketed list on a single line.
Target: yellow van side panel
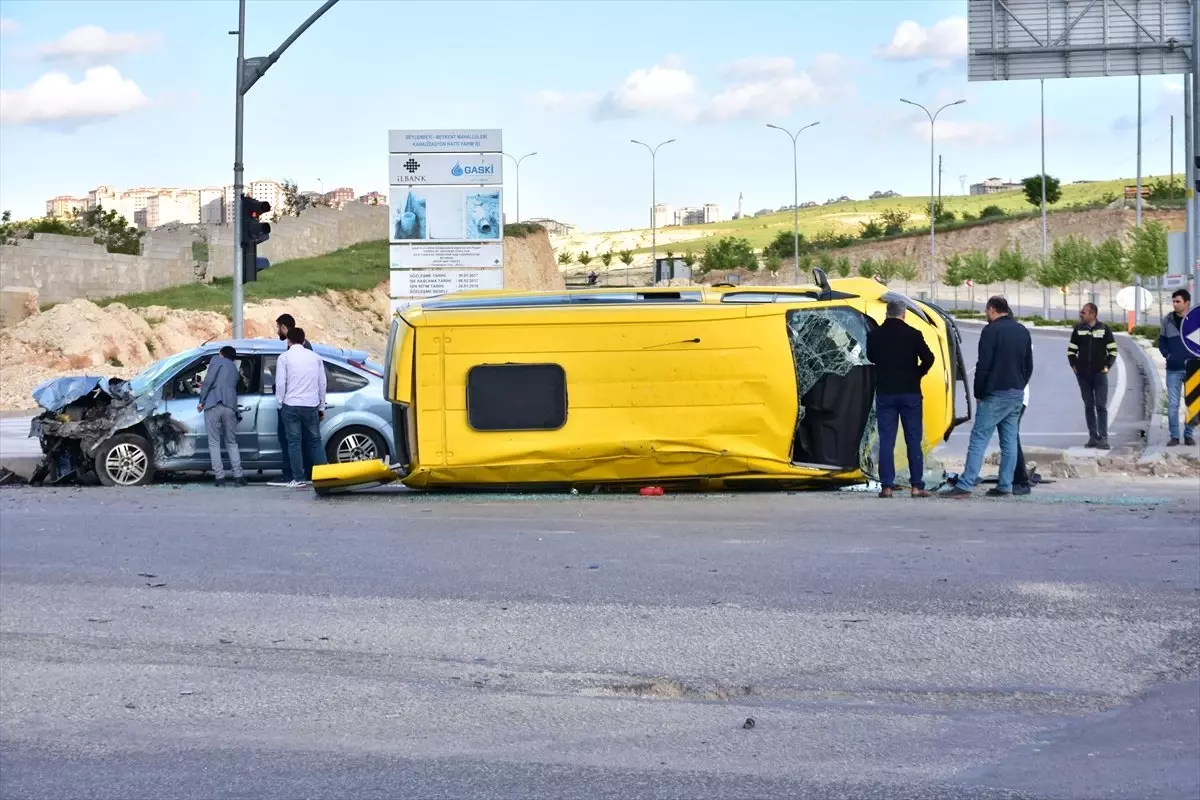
[(724, 405), (402, 360)]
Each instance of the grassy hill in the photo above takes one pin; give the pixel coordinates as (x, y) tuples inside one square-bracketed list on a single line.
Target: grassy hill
[(846, 217)]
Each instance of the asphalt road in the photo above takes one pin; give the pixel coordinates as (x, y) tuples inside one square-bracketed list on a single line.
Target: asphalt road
[(1055, 416), (190, 642)]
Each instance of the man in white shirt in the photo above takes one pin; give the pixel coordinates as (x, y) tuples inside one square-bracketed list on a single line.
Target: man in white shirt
[(300, 392)]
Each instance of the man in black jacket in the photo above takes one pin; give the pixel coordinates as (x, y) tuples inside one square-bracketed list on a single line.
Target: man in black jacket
[(1003, 371), (1092, 351), (901, 358)]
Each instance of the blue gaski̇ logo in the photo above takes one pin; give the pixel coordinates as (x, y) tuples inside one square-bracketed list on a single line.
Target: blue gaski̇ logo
[(458, 170)]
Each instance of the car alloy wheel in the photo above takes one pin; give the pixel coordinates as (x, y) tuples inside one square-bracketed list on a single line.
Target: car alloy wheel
[(356, 447), (126, 464)]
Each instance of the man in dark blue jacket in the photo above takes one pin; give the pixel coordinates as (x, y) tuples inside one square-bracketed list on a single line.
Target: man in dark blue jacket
[(1002, 372), (1170, 344)]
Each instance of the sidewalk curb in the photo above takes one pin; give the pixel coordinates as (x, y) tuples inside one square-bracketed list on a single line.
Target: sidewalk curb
[(1156, 422)]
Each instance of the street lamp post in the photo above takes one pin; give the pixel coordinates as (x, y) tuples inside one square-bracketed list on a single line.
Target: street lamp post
[(932, 241), (518, 161), (653, 205), (795, 194)]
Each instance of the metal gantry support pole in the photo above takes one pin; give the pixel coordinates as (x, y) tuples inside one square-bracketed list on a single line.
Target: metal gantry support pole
[(795, 194), (1138, 200), (1194, 137), (1045, 290), (653, 205), (248, 73), (518, 161), (1189, 174), (932, 215)]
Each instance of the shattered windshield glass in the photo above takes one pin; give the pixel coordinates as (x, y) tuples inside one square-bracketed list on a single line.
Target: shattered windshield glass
[(832, 342), (159, 369)]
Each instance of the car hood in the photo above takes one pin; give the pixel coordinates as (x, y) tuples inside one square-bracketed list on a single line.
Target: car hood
[(56, 394)]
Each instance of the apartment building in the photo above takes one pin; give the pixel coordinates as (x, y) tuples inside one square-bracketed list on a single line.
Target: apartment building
[(339, 197), (261, 190), (993, 185), (65, 207), (175, 206), (374, 199)]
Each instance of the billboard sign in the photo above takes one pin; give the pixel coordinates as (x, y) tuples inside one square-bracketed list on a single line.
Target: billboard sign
[(445, 141), (417, 283), (446, 213), (443, 256), (1032, 39), (407, 169)]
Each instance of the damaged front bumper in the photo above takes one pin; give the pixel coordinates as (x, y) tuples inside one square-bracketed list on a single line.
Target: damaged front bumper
[(81, 413)]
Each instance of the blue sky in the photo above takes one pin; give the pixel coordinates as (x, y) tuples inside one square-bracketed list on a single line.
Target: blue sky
[(574, 81)]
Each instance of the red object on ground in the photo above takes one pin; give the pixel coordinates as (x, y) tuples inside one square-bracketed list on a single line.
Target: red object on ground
[(650, 491)]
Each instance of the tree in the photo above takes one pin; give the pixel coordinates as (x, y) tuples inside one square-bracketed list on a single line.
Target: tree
[(1112, 265), (606, 258), (1033, 190), (940, 214), (826, 262), (992, 212), (1065, 264), (729, 253), (784, 244), (584, 258), (772, 261), (293, 201), (907, 270), (976, 268), (1148, 250), (670, 254), (689, 259), (1012, 265), (868, 268), (871, 229), (843, 267), (894, 220), (626, 257), (1172, 189), (565, 257), (953, 275)]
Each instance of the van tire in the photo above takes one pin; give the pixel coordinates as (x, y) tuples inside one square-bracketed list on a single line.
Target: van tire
[(125, 460), (355, 439)]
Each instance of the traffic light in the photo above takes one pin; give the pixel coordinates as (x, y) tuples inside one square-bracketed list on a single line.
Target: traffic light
[(254, 233)]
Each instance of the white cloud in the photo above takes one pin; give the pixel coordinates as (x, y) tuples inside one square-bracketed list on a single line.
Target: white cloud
[(90, 44), (981, 134), (551, 100), (760, 67), (946, 41), (762, 99), (670, 90), (54, 101), (9, 27)]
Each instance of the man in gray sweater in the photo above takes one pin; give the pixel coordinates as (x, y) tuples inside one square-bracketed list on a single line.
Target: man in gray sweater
[(219, 401)]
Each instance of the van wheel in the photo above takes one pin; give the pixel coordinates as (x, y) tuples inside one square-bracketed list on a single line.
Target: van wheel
[(125, 460), (355, 444)]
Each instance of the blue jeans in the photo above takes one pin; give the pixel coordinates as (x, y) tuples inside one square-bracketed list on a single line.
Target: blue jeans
[(1174, 393), (303, 427), (904, 409), (995, 413), (285, 458)]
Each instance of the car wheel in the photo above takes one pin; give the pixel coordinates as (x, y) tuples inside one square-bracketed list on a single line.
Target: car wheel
[(125, 460), (355, 444)]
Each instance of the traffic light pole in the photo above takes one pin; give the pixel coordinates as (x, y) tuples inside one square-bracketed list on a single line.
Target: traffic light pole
[(248, 73)]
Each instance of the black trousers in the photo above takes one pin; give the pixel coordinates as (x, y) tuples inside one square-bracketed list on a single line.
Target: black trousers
[(1094, 389)]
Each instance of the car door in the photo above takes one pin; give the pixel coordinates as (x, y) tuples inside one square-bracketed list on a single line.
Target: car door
[(181, 394)]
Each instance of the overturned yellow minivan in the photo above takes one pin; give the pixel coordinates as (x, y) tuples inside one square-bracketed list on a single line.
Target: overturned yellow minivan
[(721, 387)]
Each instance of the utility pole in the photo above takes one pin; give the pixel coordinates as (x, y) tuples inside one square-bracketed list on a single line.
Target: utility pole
[(1172, 150), (1045, 290), (962, 183), (795, 195), (249, 70)]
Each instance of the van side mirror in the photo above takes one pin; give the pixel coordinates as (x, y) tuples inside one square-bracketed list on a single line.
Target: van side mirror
[(822, 281)]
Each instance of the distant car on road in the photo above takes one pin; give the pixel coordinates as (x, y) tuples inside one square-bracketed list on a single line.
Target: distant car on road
[(123, 432)]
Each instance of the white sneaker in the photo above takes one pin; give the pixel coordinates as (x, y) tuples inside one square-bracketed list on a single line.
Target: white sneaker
[(300, 484)]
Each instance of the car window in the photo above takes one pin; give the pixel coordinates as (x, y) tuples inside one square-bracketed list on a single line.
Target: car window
[(187, 382), (339, 379)]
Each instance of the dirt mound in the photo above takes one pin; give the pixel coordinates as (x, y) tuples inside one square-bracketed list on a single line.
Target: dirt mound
[(529, 263), (81, 338)]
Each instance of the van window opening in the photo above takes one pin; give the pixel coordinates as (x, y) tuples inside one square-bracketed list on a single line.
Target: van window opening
[(516, 397)]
